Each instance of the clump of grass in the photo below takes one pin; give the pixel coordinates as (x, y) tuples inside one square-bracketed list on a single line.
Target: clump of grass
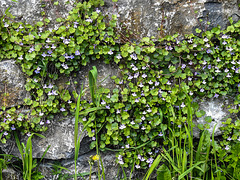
[(27, 160)]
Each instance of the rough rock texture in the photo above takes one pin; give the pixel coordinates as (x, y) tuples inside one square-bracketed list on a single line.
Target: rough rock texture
[(10, 174), (111, 169), (12, 90), (32, 11), (143, 17), (60, 135), (217, 109), (166, 17)]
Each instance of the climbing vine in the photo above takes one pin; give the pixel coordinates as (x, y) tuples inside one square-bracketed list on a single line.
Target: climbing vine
[(158, 80)]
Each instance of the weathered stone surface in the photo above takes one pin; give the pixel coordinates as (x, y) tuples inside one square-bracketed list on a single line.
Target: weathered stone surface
[(166, 17), (60, 135), (10, 174), (143, 17), (12, 90), (32, 11), (217, 109), (111, 169)]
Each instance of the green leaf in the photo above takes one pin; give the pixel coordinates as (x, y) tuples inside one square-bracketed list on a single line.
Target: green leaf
[(230, 28), (163, 173)]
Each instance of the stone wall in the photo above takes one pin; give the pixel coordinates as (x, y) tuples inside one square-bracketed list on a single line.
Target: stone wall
[(145, 18)]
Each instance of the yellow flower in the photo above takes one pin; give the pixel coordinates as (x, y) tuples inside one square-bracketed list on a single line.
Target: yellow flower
[(95, 158)]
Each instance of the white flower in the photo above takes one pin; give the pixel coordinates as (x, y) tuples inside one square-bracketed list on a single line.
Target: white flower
[(119, 56), (110, 52), (182, 105), (205, 39), (218, 60), (140, 85), (6, 25), (122, 126), (88, 20), (207, 45), (149, 110), (134, 68), (137, 166), (226, 70), (229, 75), (227, 147)]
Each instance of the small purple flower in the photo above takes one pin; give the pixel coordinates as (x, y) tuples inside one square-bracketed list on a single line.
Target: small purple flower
[(216, 95), (41, 123), (224, 43), (133, 56), (93, 138), (5, 133), (54, 92), (13, 128), (31, 49), (209, 51), (108, 106), (183, 66), (229, 138), (62, 109), (44, 55), (66, 41), (47, 122), (77, 53), (201, 90), (160, 134), (97, 10)]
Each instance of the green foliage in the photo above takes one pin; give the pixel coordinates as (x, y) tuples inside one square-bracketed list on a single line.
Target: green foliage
[(152, 101), (27, 159)]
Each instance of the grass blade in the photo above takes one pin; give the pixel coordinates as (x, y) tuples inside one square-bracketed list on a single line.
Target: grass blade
[(153, 167), (189, 170)]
